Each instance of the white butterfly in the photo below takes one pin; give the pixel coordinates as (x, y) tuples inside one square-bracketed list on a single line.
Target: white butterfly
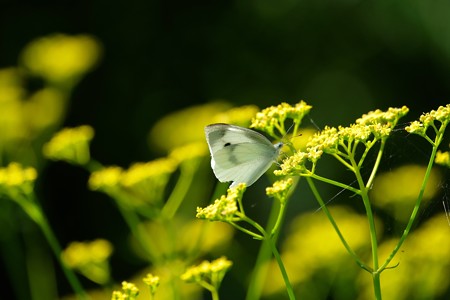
[(239, 154)]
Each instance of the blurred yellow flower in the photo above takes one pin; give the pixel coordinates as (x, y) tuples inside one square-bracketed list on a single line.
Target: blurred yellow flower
[(241, 115), (189, 152), (130, 289), (423, 271), (152, 281), (106, 178), (208, 271), (443, 158), (184, 126), (397, 190), (147, 181), (11, 115), (14, 176), (313, 247), (60, 57), (90, 259), (186, 237), (71, 145), (43, 109)]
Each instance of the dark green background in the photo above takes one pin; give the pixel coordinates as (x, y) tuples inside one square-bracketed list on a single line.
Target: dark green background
[(343, 57)]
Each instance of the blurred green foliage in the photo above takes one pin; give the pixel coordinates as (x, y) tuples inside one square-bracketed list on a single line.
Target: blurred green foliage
[(343, 57)]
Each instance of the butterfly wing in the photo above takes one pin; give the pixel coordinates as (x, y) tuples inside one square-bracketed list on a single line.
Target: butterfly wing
[(239, 154)]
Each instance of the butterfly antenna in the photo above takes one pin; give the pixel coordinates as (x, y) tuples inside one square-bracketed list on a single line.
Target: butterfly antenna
[(314, 123), (447, 211)]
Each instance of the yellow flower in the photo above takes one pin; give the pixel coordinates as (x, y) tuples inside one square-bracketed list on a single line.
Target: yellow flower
[(423, 271), (211, 272), (280, 189), (240, 116), (59, 57), (118, 295), (90, 259), (341, 141), (43, 109), (397, 190), (417, 128), (105, 179), (130, 289), (225, 208), (271, 120), (184, 126), (391, 116), (71, 145), (312, 251), (442, 114), (443, 158), (11, 116), (152, 282), (14, 176), (189, 152), (148, 180), (327, 140)]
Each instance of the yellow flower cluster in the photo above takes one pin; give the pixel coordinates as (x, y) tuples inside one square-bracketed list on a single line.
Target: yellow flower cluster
[(152, 281), (143, 182), (312, 247), (24, 115), (129, 292), (397, 190), (378, 124), (240, 116), (224, 208), (106, 178), (189, 152), (443, 158), (391, 116), (147, 180), (14, 176), (272, 119), (280, 189), (424, 269), (442, 114), (90, 259), (71, 145), (208, 271), (184, 126), (61, 57)]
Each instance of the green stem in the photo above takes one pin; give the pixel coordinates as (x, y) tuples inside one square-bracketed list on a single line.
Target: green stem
[(251, 233), (211, 288), (335, 226), (138, 231), (335, 183), (413, 216), (271, 242), (34, 211), (260, 270), (282, 208), (280, 218), (215, 294), (277, 256), (376, 165), (179, 192), (372, 231)]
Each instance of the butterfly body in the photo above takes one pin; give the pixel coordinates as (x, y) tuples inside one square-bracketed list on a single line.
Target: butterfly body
[(239, 154)]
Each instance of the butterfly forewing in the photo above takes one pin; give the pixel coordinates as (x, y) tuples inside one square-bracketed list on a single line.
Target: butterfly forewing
[(239, 154)]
